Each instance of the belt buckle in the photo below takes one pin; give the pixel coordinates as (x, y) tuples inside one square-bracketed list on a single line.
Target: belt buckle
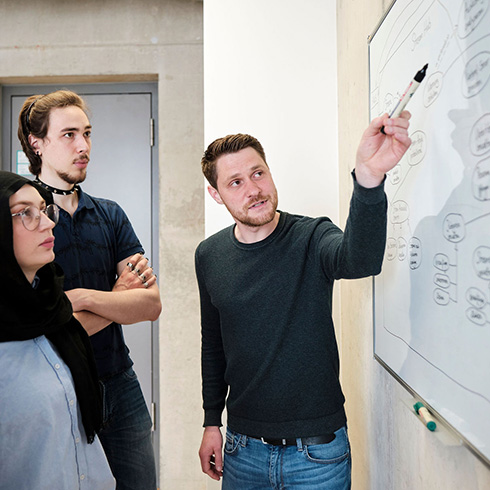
[(284, 442)]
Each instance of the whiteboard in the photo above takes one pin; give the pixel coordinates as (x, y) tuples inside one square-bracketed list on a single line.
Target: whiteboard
[(432, 299)]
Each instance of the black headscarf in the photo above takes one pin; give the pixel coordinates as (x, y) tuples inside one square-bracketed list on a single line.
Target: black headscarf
[(27, 312)]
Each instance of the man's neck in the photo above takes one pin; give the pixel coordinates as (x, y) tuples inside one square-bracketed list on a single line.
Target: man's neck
[(254, 234), (70, 202)]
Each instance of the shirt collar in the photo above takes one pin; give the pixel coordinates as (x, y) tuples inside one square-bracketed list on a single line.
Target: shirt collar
[(84, 200)]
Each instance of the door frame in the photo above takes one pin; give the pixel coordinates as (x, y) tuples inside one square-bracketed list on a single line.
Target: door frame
[(8, 91)]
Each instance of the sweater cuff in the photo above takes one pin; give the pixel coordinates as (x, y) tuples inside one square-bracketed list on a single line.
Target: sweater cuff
[(373, 195), (212, 418)]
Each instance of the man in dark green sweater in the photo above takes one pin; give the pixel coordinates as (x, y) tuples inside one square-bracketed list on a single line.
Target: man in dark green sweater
[(268, 343)]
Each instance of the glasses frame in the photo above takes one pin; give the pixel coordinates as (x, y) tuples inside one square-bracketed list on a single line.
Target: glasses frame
[(52, 212)]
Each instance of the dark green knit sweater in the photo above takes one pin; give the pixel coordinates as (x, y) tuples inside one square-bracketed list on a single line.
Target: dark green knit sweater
[(266, 309)]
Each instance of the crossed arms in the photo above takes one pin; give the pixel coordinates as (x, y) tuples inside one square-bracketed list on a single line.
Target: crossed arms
[(130, 301)]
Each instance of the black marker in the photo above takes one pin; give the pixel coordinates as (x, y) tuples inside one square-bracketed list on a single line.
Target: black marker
[(407, 95)]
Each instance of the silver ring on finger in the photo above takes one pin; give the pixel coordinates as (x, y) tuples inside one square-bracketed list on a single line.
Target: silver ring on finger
[(145, 284), (142, 277)]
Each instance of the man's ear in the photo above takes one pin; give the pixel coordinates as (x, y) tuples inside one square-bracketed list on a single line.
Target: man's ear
[(34, 142), (214, 194)]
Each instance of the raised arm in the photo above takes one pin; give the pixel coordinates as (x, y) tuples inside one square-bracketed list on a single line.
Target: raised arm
[(359, 250), (378, 153)]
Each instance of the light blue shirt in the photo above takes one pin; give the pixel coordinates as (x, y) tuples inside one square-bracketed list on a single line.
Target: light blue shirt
[(42, 440)]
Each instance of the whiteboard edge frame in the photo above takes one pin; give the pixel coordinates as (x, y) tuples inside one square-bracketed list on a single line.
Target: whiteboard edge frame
[(381, 20), (439, 418)]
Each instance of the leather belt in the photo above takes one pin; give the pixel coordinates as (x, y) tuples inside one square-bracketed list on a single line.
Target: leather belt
[(306, 441)]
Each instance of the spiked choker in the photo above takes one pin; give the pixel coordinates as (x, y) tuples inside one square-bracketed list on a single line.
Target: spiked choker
[(54, 190)]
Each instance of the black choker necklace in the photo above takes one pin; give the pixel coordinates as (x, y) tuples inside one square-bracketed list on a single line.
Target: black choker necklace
[(54, 190)]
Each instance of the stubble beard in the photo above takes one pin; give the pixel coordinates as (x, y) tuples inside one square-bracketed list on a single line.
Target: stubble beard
[(71, 178), (246, 220)]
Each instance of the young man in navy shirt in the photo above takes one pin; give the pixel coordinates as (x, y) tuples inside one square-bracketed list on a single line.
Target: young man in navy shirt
[(107, 279)]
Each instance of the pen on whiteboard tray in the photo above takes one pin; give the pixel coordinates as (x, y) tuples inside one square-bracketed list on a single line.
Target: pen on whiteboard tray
[(425, 416), (407, 95)]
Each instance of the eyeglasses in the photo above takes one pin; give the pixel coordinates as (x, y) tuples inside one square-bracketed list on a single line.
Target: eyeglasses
[(31, 216)]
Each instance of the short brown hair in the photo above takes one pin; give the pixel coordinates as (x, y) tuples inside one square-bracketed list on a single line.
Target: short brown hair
[(34, 119), (232, 143)]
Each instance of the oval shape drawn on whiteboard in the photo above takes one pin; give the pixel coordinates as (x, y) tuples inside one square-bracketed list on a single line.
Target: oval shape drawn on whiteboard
[(441, 262), (480, 136), (441, 297), (432, 88), (453, 228), (399, 212), (391, 249), (442, 280), (415, 253), (470, 15), (416, 152), (389, 103), (395, 175), (481, 262), (480, 180), (476, 316), (476, 298), (476, 74), (402, 248)]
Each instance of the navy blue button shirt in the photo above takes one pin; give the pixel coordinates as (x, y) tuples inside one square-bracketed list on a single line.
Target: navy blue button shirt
[(88, 246)]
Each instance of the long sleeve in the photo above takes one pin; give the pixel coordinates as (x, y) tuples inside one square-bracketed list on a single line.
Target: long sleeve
[(267, 329), (358, 252), (213, 362)]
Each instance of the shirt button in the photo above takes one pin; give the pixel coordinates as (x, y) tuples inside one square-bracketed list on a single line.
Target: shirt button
[(77, 440), (72, 402), (57, 366), (82, 477)]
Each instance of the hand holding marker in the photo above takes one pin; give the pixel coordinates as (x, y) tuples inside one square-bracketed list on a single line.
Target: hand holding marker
[(407, 95)]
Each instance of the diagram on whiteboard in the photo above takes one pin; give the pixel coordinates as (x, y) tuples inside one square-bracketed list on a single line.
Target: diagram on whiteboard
[(432, 299)]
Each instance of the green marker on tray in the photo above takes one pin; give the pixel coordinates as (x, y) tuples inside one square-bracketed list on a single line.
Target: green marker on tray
[(425, 416)]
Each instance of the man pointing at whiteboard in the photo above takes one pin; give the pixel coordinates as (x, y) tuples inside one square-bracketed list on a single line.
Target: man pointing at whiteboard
[(268, 343)]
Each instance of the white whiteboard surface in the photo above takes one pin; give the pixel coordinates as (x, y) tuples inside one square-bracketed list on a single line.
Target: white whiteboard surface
[(432, 299)]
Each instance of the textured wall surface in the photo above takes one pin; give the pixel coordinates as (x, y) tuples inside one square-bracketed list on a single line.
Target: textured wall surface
[(150, 40)]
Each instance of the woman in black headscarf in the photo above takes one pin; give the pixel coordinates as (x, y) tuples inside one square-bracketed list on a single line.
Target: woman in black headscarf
[(48, 378)]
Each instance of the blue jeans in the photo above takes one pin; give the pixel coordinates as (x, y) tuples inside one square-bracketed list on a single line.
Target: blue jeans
[(126, 436), (251, 464)]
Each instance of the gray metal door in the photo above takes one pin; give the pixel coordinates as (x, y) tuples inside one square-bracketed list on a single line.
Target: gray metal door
[(121, 168)]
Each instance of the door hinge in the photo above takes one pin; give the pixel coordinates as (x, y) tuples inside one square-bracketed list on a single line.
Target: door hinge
[(153, 415), (152, 132)]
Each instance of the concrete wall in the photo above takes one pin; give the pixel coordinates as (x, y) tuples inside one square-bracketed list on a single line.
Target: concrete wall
[(56, 41), (392, 450)]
